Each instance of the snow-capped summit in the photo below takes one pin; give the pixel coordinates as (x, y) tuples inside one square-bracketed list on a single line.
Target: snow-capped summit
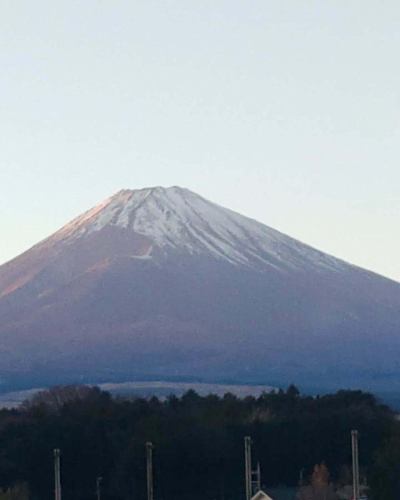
[(160, 282), (176, 218)]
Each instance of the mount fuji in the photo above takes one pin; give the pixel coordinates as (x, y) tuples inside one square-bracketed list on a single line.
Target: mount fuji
[(161, 283)]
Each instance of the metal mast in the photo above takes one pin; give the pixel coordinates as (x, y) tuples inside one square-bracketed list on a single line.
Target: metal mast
[(149, 464), (57, 475), (247, 462), (256, 480), (98, 487), (356, 472)]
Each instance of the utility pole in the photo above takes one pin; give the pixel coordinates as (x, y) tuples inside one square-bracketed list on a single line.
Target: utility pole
[(149, 464), (356, 472), (98, 487), (247, 463), (57, 475)]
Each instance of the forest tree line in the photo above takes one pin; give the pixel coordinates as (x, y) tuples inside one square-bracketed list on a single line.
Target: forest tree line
[(198, 443)]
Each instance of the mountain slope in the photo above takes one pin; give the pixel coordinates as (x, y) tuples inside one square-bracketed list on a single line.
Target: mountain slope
[(161, 282)]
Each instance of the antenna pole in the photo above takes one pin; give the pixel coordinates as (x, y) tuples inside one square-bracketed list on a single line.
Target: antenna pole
[(98, 487), (356, 472), (258, 477), (57, 475), (149, 464), (247, 461)]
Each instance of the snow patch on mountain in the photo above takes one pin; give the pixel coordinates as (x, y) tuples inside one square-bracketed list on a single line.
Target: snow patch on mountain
[(176, 218)]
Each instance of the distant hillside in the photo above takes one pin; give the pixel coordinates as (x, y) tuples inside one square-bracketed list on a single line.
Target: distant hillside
[(159, 283)]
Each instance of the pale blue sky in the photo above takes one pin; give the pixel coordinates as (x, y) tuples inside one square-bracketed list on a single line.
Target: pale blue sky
[(284, 110)]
